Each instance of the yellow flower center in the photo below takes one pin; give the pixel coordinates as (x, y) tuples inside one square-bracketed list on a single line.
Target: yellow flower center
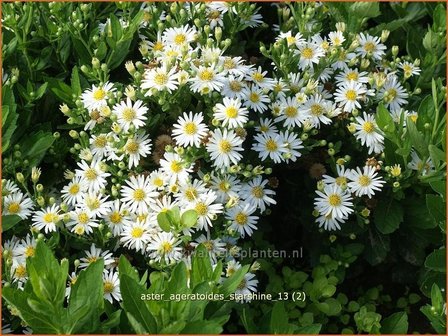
[(258, 77), (29, 251), (334, 200), (213, 15), (191, 194), (368, 127), (158, 182), (225, 146), (316, 110), (235, 86), (254, 97), (137, 232), (190, 128), (208, 245), (224, 186), (158, 46), (176, 167), (93, 203), (364, 181), (341, 180), (231, 112), (395, 170), (290, 111), (50, 217), (206, 75), (242, 284), (79, 230), (83, 218), (180, 38), (92, 259), (257, 192), (115, 217), (108, 287), (241, 218), (14, 208), (139, 195), (90, 174), (352, 76), (307, 53), (369, 47), (290, 40), (201, 209), (132, 147), (160, 79), (166, 247), (271, 145), (351, 95), (20, 272), (100, 141), (99, 94), (391, 94), (229, 63), (128, 114)]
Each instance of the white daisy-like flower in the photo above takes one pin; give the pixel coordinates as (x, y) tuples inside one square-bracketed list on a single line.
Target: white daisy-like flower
[(96, 97), (17, 204), (158, 179), (291, 115), (225, 186), (255, 99), (269, 144), (329, 223), (348, 75), (242, 220), (95, 254), (92, 175), (266, 126), (223, 148), (117, 217), (99, 146), (409, 69), (309, 53), (27, 247), (178, 37), (9, 187), (234, 66), (215, 247), (291, 40), (136, 235), (334, 202), (292, 145), (315, 108), (341, 179), (258, 77), (190, 129), (368, 133), (95, 203), (111, 286), (215, 18), (189, 191), (370, 46), (336, 38), (81, 222), (365, 182), (207, 79), (72, 193), (159, 79), (256, 193), (207, 209), (162, 205), (393, 94), (19, 273), (137, 146), (46, 219), (137, 194), (231, 113), (129, 113), (232, 267), (164, 246), (234, 87), (246, 287), (348, 95), (175, 167), (417, 164)]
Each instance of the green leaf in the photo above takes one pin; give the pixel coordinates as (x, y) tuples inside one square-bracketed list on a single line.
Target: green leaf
[(86, 301), (9, 221), (313, 329), (61, 90), (230, 284), (201, 268), (377, 247), (40, 91), (417, 138), (75, 81), (437, 260), (35, 145), (437, 155), (189, 218), (436, 207), (439, 187), (395, 324), (279, 319), (439, 17), (388, 215), (125, 267), (365, 9), (164, 222), (137, 326), (385, 122), (131, 292), (202, 327)]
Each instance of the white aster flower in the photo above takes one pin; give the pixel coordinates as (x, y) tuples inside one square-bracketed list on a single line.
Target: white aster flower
[(231, 113), (334, 202), (72, 193), (46, 219), (137, 194), (94, 254), (164, 246), (370, 46), (81, 222), (207, 209), (175, 167), (348, 95), (269, 144), (96, 97), (365, 182), (255, 99), (190, 129), (393, 94), (223, 148), (256, 193), (136, 235), (111, 286), (129, 113), (368, 133), (17, 204), (207, 79), (92, 175), (242, 220), (137, 146)]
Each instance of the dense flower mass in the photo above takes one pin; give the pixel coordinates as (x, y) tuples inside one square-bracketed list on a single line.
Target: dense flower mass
[(179, 154)]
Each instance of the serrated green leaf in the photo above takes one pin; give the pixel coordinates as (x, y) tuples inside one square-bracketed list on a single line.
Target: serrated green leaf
[(395, 324), (437, 260), (9, 221)]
